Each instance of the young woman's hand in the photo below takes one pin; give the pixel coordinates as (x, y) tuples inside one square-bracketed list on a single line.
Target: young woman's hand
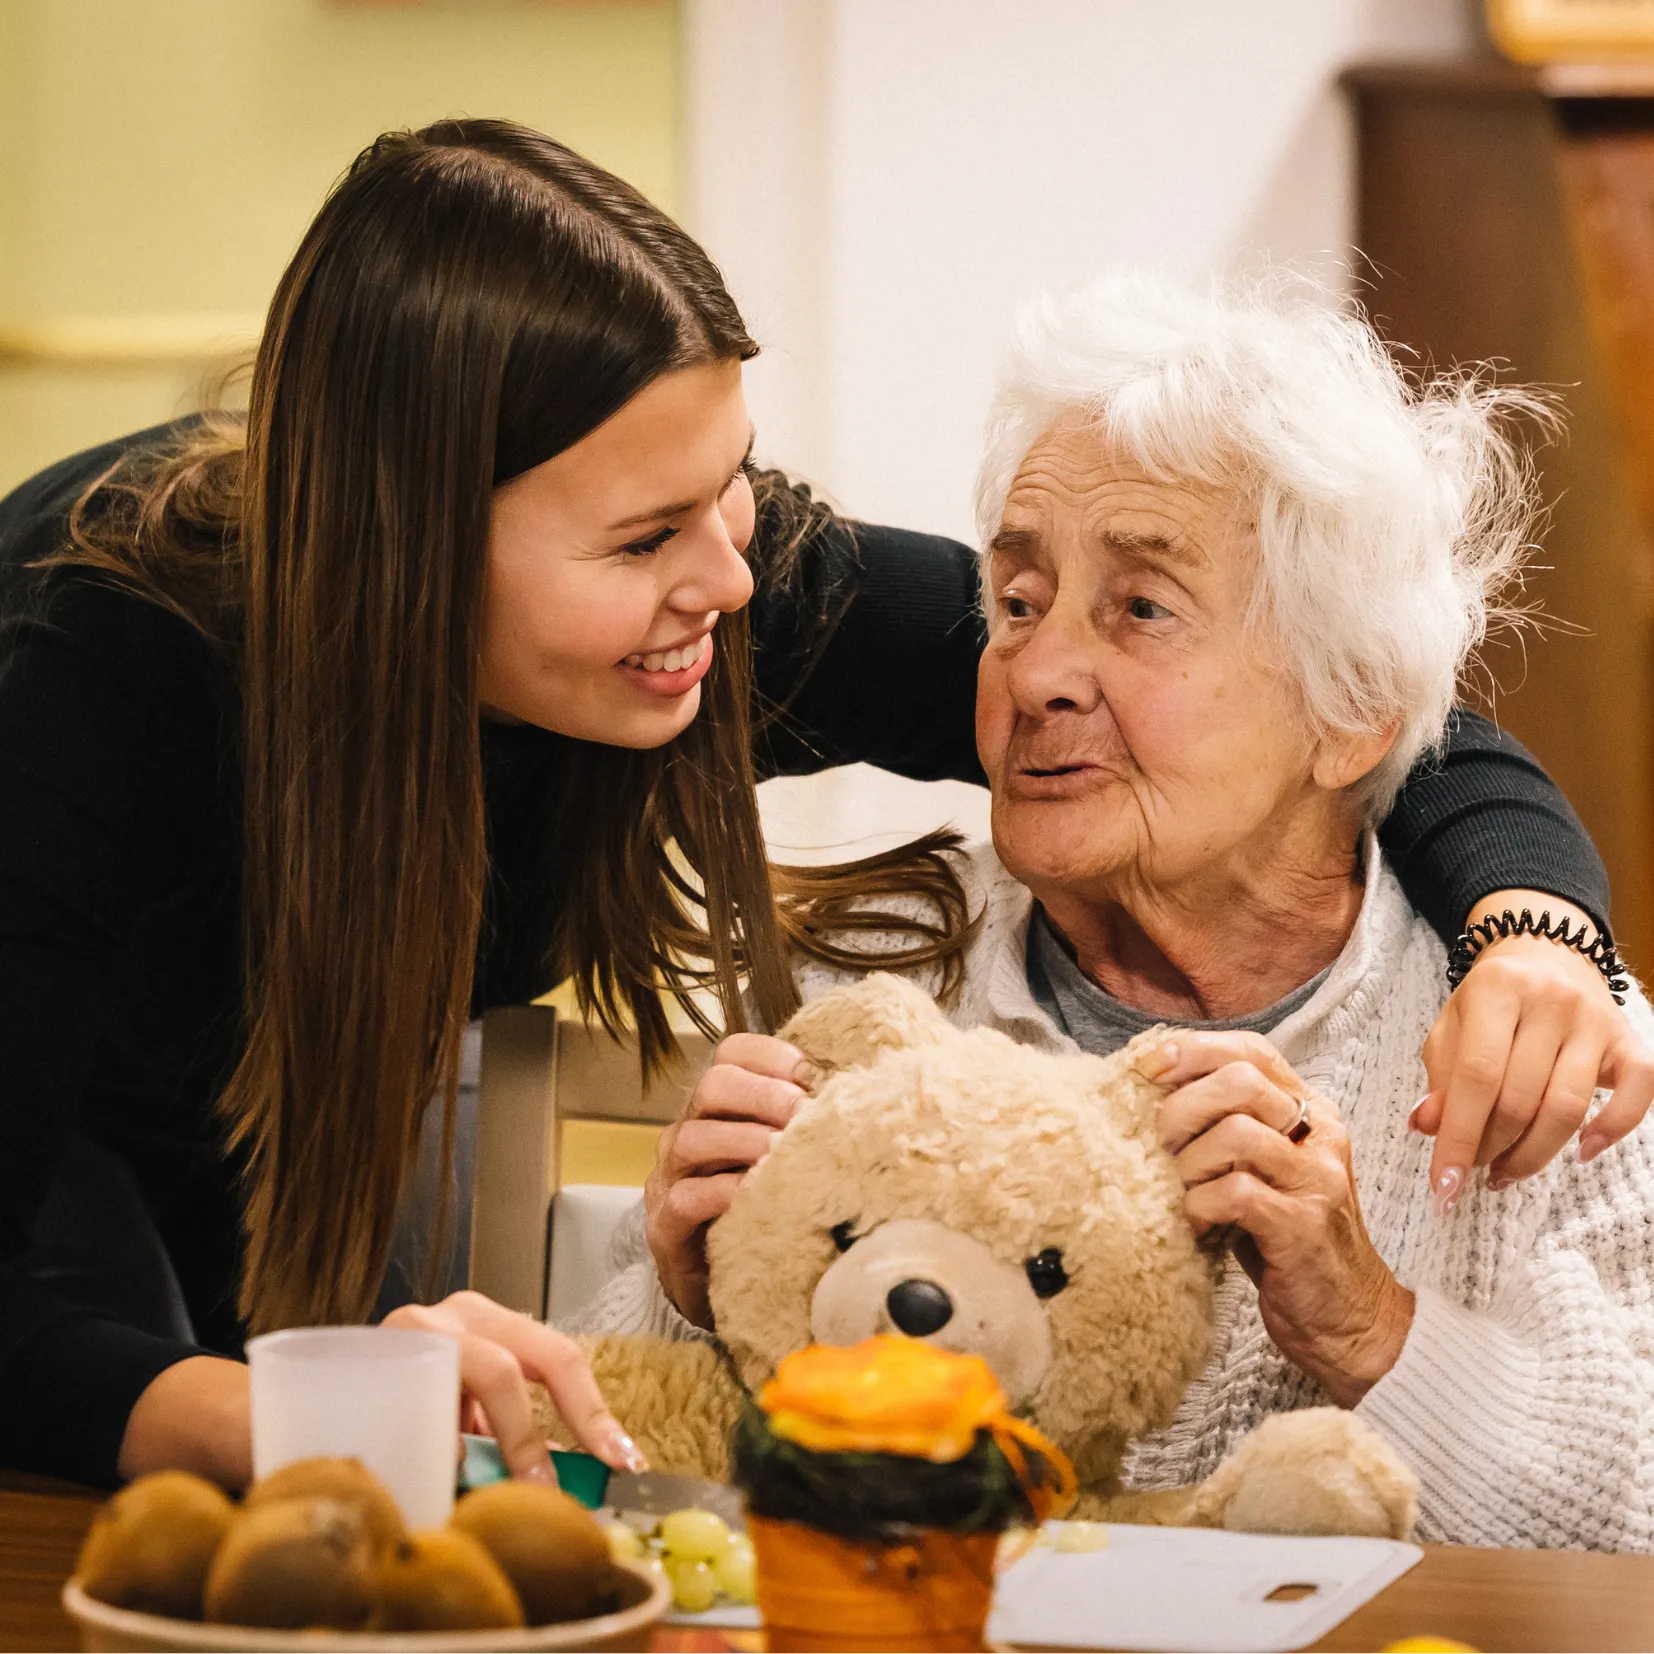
[(1517, 1053), (196, 1415), (746, 1096), (500, 1350)]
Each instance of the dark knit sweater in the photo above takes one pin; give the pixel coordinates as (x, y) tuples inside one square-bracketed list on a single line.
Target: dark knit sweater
[(120, 974)]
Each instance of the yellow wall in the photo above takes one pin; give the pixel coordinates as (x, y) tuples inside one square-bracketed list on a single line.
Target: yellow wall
[(159, 158), (608, 1151)]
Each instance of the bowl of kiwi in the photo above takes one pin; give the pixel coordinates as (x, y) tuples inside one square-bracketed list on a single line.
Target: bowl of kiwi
[(317, 1556)]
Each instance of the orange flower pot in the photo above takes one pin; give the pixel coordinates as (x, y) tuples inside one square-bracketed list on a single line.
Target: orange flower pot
[(818, 1591)]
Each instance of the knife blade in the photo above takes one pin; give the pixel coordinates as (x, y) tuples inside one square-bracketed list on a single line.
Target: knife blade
[(655, 1493)]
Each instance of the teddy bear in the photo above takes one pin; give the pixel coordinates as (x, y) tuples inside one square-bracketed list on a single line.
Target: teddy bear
[(954, 1186)]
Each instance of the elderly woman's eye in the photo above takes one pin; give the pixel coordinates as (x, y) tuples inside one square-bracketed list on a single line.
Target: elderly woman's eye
[(1046, 1274), (1145, 608), (1019, 608)]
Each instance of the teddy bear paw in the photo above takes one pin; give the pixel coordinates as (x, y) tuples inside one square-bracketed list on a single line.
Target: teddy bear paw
[(1318, 1471)]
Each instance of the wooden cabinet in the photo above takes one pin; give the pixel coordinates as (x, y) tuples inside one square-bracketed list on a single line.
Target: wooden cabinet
[(1507, 215)]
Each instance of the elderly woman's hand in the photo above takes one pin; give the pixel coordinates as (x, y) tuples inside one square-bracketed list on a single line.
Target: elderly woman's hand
[(1327, 1298), (746, 1096), (1517, 1053)]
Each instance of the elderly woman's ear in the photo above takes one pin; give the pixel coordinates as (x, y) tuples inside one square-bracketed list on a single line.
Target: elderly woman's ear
[(1344, 758)]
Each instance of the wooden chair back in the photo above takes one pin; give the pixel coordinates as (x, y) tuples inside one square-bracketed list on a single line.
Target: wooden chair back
[(543, 1072)]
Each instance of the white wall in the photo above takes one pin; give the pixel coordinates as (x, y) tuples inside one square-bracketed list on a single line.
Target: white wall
[(883, 179)]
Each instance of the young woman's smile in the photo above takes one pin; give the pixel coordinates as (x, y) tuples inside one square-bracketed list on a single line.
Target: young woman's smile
[(672, 671)]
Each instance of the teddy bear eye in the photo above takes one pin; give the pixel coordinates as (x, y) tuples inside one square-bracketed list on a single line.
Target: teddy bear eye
[(1046, 1274), (844, 1236)]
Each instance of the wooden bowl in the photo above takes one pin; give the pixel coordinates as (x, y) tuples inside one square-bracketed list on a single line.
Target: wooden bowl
[(123, 1629)]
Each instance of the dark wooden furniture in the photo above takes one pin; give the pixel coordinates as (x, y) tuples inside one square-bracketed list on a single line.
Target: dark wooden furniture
[(1490, 1599), (1508, 215)]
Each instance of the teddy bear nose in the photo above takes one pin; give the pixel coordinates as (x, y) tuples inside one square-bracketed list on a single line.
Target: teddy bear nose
[(919, 1308)]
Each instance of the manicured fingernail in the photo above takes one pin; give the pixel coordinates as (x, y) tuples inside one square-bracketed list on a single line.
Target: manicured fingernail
[(1161, 1060), (540, 1471), (807, 1074), (622, 1447), (1591, 1144), (1500, 1182), (1413, 1112), (1449, 1186)]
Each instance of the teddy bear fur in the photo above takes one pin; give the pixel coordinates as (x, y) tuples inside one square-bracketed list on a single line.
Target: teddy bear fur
[(962, 1149)]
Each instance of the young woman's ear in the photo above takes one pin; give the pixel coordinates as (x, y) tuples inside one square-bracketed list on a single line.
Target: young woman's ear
[(1342, 759), (853, 1025)]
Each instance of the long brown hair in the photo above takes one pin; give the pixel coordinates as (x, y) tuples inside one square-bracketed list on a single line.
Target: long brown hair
[(472, 299)]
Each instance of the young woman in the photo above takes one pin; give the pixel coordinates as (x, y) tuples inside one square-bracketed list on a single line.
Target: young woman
[(426, 685)]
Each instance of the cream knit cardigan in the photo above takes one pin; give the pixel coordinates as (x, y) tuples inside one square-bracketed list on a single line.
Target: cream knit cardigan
[(1524, 1396)]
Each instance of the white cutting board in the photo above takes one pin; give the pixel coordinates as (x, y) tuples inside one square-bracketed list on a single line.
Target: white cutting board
[(1190, 1588)]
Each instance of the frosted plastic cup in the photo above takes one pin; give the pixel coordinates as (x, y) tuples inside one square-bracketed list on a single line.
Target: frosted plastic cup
[(388, 1396)]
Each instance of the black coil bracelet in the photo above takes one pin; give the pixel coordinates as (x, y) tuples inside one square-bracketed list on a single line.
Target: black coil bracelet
[(1599, 950)]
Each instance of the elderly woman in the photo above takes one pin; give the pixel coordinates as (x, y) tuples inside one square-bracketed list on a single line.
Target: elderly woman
[(1234, 569)]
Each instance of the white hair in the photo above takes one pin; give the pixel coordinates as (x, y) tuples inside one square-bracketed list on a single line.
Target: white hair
[(1392, 516)]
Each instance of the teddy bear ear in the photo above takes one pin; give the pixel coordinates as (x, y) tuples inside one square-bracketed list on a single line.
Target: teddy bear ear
[(1132, 1099), (853, 1025)]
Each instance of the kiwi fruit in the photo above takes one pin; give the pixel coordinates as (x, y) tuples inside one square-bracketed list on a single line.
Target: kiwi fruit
[(150, 1546), (291, 1564), (440, 1580), (553, 1550), (346, 1482)]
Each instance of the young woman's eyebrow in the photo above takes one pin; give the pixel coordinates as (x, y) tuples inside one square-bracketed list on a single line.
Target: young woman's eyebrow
[(659, 512)]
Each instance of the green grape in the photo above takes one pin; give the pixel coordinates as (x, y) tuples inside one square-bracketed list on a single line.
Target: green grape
[(734, 1571), (693, 1589), (625, 1544), (694, 1535)]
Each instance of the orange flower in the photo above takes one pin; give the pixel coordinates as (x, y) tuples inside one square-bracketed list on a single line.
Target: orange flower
[(886, 1395), (898, 1395)]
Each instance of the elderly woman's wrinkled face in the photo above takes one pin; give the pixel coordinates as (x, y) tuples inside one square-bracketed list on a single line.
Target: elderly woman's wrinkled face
[(1129, 723)]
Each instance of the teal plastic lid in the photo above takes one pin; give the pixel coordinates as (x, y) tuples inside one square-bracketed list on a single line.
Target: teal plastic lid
[(580, 1475)]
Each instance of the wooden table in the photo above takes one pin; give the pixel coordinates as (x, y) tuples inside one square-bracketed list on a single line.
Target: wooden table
[(1493, 1600), (41, 1526)]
